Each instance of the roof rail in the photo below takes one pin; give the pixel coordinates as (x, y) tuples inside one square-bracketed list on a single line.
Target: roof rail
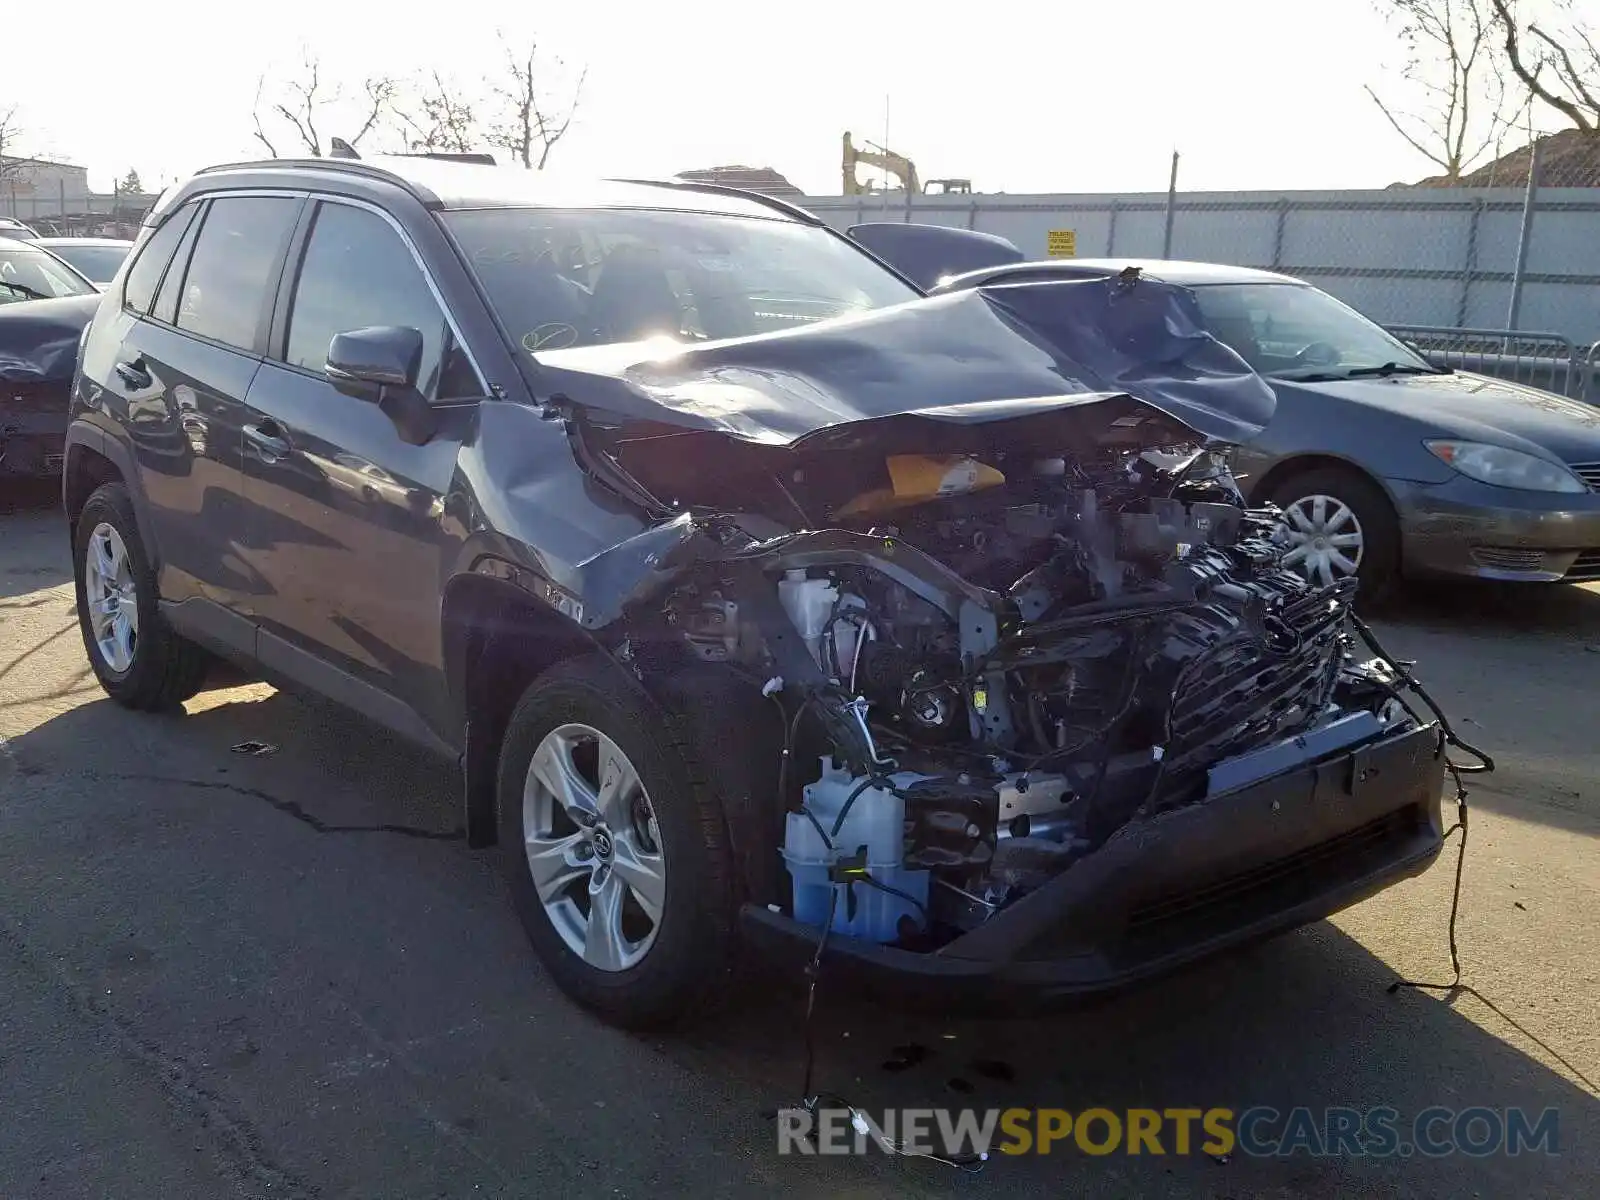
[(346, 166), (721, 189)]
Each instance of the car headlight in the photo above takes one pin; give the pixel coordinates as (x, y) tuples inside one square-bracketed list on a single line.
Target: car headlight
[(1505, 467)]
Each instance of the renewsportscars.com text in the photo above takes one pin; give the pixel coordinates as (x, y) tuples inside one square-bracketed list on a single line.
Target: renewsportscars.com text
[(1259, 1131)]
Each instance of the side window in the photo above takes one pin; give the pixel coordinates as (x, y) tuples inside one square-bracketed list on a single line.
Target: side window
[(358, 272), (145, 274), (234, 267), (165, 308)]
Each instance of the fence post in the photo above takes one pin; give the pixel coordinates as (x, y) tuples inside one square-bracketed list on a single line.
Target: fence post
[(1111, 227), (1172, 197), (1470, 268), (972, 213), (1529, 200), (1277, 233)]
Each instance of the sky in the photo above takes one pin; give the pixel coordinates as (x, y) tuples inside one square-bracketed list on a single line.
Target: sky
[(1019, 97)]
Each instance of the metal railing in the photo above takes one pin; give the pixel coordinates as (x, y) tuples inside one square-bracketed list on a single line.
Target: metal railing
[(1549, 361)]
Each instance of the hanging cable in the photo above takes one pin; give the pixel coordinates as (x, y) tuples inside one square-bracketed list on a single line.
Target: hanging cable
[(813, 1102), (1484, 764), (1450, 739)]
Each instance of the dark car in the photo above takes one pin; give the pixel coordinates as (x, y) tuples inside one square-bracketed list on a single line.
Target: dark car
[(757, 596), (96, 259), (44, 307), (1385, 464)]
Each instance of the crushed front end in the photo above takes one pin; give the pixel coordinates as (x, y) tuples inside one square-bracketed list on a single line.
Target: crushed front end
[(1054, 712), (1066, 731), (38, 350)]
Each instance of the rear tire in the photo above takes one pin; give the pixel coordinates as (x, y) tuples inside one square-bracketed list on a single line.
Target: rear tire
[(138, 659), (658, 841), (1370, 518)]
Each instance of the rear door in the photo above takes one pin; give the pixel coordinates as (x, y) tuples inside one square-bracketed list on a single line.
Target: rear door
[(188, 340), (346, 517)]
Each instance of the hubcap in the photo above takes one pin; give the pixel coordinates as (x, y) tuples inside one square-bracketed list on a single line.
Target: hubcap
[(1326, 540), (111, 597), (594, 847)]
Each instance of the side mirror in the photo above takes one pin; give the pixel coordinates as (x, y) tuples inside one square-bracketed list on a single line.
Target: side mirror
[(380, 364), (361, 362)]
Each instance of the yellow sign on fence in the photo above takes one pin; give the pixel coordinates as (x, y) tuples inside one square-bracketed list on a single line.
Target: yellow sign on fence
[(1062, 243)]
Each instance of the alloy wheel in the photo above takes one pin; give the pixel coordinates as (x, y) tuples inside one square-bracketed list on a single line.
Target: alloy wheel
[(111, 597), (593, 847), (1325, 537)]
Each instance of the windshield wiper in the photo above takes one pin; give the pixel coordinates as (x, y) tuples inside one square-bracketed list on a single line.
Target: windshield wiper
[(24, 289), (1391, 368)]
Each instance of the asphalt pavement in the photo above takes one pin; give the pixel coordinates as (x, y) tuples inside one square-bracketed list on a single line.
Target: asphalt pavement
[(287, 976)]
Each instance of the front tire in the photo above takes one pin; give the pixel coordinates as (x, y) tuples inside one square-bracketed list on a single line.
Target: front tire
[(1341, 524), (615, 848), (138, 659)]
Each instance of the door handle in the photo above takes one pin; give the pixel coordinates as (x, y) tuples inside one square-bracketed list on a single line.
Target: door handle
[(134, 374), (268, 440)]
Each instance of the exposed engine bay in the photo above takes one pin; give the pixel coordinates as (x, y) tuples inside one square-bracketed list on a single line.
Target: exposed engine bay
[(989, 667), (985, 554)]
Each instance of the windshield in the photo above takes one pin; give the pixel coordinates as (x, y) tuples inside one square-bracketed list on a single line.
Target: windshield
[(99, 263), (29, 274), (1292, 331), (560, 278)]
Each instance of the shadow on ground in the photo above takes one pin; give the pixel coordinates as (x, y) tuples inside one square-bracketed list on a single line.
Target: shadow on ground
[(304, 938)]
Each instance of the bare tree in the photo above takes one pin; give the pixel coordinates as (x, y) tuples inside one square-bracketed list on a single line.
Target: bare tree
[(1558, 63), (1458, 75), (11, 132), (293, 109), (528, 120), (440, 116)]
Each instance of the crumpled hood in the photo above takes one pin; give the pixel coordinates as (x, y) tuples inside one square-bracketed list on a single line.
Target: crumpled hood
[(39, 338), (974, 356), (1476, 407)]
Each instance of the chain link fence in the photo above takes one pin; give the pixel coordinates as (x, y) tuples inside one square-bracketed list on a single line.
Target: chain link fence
[(1501, 279)]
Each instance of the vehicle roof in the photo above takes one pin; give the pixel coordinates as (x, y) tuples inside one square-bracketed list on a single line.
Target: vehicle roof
[(445, 184), (10, 243), (1185, 274), (80, 241)]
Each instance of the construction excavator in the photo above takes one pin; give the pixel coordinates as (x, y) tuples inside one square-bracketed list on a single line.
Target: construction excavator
[(898, 165)]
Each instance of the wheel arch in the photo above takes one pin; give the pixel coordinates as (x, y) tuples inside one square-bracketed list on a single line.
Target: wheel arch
[(91, 460), (497, 639), (1300, 464)]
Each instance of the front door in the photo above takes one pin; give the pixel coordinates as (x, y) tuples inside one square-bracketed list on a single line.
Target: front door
[(345, 518)]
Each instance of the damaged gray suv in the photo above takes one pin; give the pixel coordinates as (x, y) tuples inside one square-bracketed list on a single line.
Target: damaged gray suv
[(769, 606)]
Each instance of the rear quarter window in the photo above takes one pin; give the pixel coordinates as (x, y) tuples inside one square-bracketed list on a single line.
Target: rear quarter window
[(153, 258)]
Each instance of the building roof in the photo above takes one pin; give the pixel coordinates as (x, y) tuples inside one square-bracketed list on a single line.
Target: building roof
[(40, 162), (1570, 158), (752, 179)]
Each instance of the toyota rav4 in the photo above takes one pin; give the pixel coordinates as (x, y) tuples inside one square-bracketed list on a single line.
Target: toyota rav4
[(766, 603)]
